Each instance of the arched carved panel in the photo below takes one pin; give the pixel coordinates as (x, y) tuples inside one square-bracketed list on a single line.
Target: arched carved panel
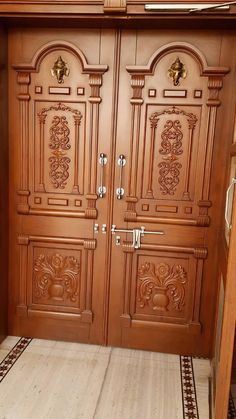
[(172, 133), (59, 95)]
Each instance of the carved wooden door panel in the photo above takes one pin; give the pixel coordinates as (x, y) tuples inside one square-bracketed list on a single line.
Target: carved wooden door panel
[(98, 115), (167, 112), (59, 127)]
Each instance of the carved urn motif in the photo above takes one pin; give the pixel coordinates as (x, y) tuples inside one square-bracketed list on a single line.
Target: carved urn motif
[(161, 286), (56, 277)]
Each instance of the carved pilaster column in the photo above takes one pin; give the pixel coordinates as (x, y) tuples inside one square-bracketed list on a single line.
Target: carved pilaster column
[(95, 82), (153, 120), (215, 84), (89, 246), (191, 125), (127, 275), (77, 120), (137, 83), (23, 241), (23, 80), (42, 118)]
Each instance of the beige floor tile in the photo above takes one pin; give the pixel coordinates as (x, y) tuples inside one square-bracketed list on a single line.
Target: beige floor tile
[(57, 383), (153, 356), (61, 380), (139, 388)]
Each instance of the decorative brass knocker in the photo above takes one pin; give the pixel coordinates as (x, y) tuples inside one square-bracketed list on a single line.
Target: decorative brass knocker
[(177, 71), (60, 70)]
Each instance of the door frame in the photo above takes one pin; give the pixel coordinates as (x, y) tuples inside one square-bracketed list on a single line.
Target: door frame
[(223, 377)]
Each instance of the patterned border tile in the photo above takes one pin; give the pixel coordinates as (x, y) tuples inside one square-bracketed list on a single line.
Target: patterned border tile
[(190, 407), (8, 362)]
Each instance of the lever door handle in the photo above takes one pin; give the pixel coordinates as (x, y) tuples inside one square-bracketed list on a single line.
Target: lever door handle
[(228, 222), (121, 163), (102, 161)]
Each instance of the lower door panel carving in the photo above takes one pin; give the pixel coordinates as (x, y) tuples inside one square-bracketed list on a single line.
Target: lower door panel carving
[(159, 290)]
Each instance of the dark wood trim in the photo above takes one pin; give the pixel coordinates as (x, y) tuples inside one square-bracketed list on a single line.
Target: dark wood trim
[(3, 185)]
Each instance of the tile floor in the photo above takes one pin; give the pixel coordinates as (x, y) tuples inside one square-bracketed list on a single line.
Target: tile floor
[(58, 380)]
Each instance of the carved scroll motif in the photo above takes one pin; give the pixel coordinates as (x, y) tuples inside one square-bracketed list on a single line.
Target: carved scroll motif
[(161, 287), (59, 143), (56, 277), (171, 149)]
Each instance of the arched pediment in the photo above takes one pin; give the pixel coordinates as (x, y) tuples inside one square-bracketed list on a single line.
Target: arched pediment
[(184, 47), (46, 49)]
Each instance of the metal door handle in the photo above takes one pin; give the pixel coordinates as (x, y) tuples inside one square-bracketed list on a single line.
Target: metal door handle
[(102, 161), (121, 163), (137, 234), (228, 222)]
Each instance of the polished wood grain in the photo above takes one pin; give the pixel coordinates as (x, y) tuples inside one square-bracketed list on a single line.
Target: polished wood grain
[(154, 297), (3, 185), (60, 291), (182, 202)]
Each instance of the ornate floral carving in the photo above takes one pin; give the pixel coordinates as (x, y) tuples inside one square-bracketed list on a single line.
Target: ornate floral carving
[(59, 141), (171, 148), (56, 277), (59, 134), (161, 287)]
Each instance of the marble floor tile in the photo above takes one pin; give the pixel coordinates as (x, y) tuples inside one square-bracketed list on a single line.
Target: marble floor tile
[(136, 387), (153, 356), (62, 380), (57, 383)]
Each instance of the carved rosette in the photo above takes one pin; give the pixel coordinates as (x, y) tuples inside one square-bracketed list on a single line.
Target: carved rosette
[(161, 287), (56, 277)]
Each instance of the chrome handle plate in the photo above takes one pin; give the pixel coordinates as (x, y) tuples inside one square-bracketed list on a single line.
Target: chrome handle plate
[(104, 228), (137, 234), (102, 161), (96, 228), (228, 222), (121, 163)]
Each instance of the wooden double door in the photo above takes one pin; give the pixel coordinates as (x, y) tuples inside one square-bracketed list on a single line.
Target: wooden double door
[(113, 186)]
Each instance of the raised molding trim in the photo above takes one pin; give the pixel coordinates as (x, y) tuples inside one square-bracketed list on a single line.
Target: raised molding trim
[(205, 70), (89, 244), (41, 53)]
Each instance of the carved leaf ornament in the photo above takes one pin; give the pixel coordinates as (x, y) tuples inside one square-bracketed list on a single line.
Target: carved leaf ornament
[(56, 277), (161, 287)]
